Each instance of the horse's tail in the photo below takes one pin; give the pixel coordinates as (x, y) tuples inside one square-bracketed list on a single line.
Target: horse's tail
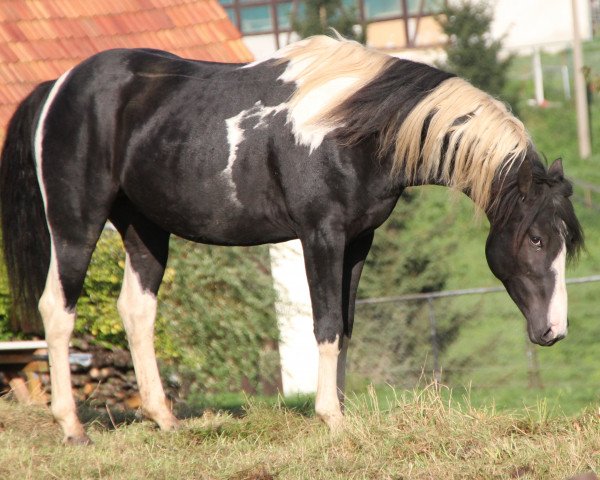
[(25, 237)]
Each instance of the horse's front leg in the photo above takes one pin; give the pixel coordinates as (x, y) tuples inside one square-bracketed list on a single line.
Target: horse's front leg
[(354, 259), (324, 259)]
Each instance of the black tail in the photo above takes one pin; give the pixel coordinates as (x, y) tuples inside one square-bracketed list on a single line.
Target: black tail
[(26, 242)]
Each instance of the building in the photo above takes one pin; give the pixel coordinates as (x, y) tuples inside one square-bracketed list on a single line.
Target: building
[(392, 25), (409, 28), (41, 39)]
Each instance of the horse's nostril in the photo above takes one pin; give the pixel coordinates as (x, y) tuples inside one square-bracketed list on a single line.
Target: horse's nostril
[(548, 335)]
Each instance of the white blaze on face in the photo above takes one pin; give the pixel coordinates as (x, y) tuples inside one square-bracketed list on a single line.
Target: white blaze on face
[(557, 309)]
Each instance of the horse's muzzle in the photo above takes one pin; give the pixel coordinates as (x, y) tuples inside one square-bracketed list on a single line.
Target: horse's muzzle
[(548, 338)]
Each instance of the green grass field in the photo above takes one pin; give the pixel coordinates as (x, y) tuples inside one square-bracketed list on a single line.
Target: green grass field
[(420, 434)]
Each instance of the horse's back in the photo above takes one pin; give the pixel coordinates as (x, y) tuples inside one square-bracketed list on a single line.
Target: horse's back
[(161, 130)]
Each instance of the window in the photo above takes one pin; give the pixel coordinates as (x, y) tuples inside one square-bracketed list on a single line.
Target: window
[(256, 19), (429, 6), (273, 16), (284, 12), (382, 8)]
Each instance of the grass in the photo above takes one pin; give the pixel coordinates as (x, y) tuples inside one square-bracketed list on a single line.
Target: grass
[(423, 433)]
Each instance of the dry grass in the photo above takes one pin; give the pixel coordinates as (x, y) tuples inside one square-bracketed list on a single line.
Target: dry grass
[(421, 436)]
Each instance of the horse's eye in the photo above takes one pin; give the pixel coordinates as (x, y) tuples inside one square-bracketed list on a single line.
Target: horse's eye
[(536, 241)]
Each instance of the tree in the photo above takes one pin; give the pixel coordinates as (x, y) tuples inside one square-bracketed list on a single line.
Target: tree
[(320, 16), (471, 52)]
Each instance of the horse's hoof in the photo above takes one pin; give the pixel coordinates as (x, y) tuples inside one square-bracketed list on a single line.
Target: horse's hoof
[(78, 440), (335, 423), (169, 424)]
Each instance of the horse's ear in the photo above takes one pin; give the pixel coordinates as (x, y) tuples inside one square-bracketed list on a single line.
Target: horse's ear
[(525, 177), (556, 169)]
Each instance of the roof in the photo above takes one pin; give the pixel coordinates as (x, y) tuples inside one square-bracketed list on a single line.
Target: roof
[(41, 39)]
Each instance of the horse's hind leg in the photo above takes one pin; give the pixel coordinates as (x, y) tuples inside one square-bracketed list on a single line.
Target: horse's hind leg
[(146, 247), (57, 308)]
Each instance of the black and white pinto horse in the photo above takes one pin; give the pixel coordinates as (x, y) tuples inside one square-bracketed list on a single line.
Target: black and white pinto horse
[(315, 143)]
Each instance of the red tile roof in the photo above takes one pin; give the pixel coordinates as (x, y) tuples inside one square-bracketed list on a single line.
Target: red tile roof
[(40, 39)]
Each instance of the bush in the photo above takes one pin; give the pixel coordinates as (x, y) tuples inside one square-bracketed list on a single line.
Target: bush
[(216, 322)]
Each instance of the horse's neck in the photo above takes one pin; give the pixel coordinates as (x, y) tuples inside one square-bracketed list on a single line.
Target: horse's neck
[(463, 185)]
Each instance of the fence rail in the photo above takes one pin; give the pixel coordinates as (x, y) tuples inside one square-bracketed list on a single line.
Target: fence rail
[(433, 324), (457, 293)]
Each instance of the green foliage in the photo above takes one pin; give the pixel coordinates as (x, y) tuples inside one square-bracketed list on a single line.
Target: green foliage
[(471, 53), (97, 314), (5, 331), (320, 16), (220, 317), (216, 322), (405, 258)]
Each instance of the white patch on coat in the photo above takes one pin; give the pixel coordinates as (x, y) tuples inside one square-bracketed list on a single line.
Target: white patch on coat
[(39, 131), (306, 129), (235, 136), (137, 308), (557, 309)]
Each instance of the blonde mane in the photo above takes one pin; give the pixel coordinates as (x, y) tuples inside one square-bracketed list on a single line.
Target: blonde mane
[(470, 136), (320, 60)]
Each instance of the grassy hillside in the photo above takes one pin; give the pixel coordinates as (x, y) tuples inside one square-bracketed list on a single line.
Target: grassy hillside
[(491, 355), (420, 435)]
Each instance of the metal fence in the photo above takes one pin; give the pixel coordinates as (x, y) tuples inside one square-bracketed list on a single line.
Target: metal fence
[(473, 337)]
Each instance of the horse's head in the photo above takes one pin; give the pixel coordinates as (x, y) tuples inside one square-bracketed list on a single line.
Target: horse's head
[(533, 231)]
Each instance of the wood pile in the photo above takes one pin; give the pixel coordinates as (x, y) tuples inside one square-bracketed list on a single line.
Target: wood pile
[(107, 378), (102, 377)]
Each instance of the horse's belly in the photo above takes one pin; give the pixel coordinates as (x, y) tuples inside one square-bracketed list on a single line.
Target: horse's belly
[(213, 211)]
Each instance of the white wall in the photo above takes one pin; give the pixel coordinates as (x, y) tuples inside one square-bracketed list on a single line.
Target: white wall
[(262, 46), (528, 23), (297, 345)]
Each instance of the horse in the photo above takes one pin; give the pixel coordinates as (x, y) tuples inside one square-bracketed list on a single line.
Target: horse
[(315, 143)]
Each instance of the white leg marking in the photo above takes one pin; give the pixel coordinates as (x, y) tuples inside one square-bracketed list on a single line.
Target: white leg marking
[(327, 403), (58, 325), (58, 321), (558, 307), (138, 311)]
